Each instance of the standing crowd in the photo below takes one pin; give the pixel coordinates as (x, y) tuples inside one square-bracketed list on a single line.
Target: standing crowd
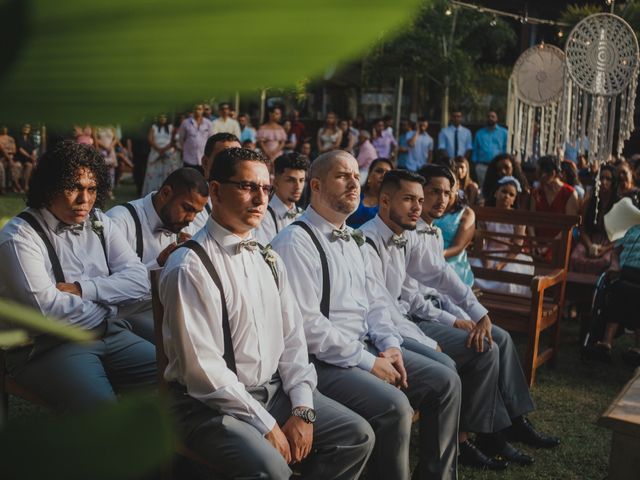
[(292, 338)]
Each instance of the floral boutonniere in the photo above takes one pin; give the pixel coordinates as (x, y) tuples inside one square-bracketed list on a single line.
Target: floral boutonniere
[(357, 236), (97, 226), (270, 257)]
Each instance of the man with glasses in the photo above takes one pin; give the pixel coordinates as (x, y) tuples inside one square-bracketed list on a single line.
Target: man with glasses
[(241, 385)]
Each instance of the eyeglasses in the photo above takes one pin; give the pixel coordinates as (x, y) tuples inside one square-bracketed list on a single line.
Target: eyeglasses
[(251, 187)]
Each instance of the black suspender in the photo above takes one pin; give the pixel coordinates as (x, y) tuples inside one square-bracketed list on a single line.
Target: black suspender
[(228, 354), (53, 256), (373, 244), (207, 207), (136, 221), (273, 215), (326, 284)]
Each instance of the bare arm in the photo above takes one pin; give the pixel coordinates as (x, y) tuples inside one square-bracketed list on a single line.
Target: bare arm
[(572, 207), (464, 235)]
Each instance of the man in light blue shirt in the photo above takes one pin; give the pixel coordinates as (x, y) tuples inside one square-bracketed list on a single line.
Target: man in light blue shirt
[(455, 140), (488, 142), (420, 146), (247, 132)]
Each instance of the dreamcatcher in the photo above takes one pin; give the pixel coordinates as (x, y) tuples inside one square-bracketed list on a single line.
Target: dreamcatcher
[(534, 101), (600, 90)]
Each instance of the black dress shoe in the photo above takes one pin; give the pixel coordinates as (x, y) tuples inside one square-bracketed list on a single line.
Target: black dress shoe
[(511, 453), (471, 456), (522, 431)]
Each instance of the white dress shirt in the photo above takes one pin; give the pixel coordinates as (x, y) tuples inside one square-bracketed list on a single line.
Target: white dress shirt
[(427, 267), (155, 237), (220, 125), (284, 217), (265, 324), (28, 276), (359, 306), (388, 264)]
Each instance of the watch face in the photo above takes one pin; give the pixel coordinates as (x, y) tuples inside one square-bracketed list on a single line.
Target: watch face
[(311, 415)]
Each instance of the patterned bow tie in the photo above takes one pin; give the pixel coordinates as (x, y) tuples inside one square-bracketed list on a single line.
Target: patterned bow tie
[(340, 233), (64, 227), (293, 213), (428, 230), (250, 245), (398, 240)]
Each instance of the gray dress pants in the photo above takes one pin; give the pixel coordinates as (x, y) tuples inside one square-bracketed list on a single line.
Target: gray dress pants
[(494, 388), (434, 391), (342, 440)]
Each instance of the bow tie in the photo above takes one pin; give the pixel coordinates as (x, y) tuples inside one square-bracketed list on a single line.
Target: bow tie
[(250, 245), (398, 240), (164, 231), (64, 227), (340, 233), (293, 213), (428, 230)]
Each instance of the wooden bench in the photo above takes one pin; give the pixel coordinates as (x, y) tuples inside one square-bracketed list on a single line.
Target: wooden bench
[(623, 418), (543, 309)]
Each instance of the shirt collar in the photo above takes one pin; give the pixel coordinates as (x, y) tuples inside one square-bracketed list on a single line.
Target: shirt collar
[(51, 221), (279, 207), (153, 218), (227, 240), (315, 219), (383, 230)]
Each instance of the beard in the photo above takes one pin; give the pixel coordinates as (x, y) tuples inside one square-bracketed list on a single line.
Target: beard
[(400, 221), (343, 205)]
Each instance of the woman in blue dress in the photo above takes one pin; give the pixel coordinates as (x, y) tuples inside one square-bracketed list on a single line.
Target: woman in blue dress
[(458, 227), (368, 207)]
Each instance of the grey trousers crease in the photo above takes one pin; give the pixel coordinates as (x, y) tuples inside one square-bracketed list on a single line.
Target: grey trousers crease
[(434, 391), (342, 440), (74, 376), (441, 357), (494, 388)]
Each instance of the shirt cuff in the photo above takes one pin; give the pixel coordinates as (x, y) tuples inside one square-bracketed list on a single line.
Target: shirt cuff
[(301, 396), (446, 318), (367, 359), (263, 421), (388, 342), (89, 290), (476, 312)]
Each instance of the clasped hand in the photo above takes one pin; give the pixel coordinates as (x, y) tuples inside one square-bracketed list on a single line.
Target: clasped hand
[(389, 367), (293, 441)]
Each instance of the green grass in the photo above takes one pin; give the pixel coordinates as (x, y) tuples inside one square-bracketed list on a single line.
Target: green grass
[(569, 399)]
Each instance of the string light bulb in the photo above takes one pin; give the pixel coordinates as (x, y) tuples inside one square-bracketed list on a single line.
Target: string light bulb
[(560, 34), (448, 11), (494, 21)]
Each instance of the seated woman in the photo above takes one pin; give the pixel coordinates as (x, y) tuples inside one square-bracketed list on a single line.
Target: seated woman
[(624, 173), (368, 207), (593, 253), (468, 189), (570, 177), (506, 197), (458, 227), (504, 165)]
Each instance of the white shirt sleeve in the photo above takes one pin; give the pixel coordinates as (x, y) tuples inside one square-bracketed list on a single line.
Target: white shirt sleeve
[(413, 297), (189, 306)]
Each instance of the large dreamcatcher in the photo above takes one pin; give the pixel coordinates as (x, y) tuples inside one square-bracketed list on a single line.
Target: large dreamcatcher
[(600, 89), (534, 101)]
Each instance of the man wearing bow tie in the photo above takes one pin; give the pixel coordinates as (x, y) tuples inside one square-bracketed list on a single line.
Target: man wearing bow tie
[(162, 219), (65, 258), (468, 336), (355, 345), (398, 255), (242, 388), (288, 185)]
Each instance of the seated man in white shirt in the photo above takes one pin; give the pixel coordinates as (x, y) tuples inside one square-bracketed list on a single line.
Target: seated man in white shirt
[(355, 345), (215, 144), (242, 388), (64, 257), (398, 255), (476, 329), (290, 173)]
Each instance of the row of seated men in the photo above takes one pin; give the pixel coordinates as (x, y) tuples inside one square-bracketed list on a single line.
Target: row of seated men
[(314, 350)]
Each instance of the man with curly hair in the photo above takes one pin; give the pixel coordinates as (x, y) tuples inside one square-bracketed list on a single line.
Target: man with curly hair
[(65, 258)]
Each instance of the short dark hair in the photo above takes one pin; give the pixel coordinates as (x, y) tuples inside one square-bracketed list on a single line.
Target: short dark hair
[(549, 164), (58, 171), (224, 104), (429, 172), (186, 179), (226, 161), (293, 160), (218, 137), (391, 182)]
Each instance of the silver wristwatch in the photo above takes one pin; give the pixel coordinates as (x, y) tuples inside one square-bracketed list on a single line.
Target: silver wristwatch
[(305, 413)]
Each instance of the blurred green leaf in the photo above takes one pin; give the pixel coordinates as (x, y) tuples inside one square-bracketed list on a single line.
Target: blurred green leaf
[(14, 314), (120, 441), (13, 338), (118, 60)]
